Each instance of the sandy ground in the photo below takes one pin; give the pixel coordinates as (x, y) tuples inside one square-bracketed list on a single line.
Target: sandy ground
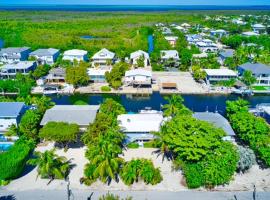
[(172, 180)]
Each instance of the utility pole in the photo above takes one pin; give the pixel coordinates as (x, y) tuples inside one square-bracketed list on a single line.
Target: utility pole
[(254, 192), (68, 189)]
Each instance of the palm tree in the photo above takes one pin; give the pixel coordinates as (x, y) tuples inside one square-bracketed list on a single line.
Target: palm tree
[(163, 148), (131, 171), (50, 165), (175, 104)]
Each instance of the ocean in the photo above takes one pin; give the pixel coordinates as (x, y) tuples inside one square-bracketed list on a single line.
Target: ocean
[(137, 8)]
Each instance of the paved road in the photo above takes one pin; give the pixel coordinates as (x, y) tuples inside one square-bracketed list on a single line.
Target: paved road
[(137, 195)]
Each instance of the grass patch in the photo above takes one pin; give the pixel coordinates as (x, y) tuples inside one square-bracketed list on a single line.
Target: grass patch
[(261, 88)]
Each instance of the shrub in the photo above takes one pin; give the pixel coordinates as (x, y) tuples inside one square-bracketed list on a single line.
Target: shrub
[(150, 144), (133, 145), (109, 196), (105, 89), (246, 159)]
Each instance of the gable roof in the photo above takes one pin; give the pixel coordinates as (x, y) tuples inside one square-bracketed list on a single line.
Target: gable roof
[(18, 65), (220, 72), (256, 68), (104, 54), (139, 53), (11, 109), (75, 52), (166, 54), (138, 72), (13, 50), (227, 53), (44, 52)]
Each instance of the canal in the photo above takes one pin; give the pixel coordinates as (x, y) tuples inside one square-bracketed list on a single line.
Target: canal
[(197, 103)]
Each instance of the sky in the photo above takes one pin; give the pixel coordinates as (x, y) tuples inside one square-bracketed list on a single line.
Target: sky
[(140, 2)]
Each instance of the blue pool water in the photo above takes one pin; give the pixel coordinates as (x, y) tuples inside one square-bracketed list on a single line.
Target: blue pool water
[(150, 44), (5, 147), (87, 37)]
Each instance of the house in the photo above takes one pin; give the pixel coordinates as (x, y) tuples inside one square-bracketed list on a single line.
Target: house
[(104, 58), (139, 126), (137, 55), (218, 121), (180, 28), (168, 56), (9, 71), (224, 54), (82, 115), (166, 31), (207, 47), (216, 75), (186, 25), (238, 22), (218, 33), (46, 56), (56, 75), (11, 113), (14, 54), (259, 70), (194, 38), (258, 28), (75, 54), (97, 74), (249, 34), (172, 40), (138, 77)]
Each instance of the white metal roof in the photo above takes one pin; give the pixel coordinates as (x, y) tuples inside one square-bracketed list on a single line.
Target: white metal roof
[(104, 54), (44, 52), (75, 52), (97, 71), (220, 72), (138, 72), (166, 54), (139, 53), (19, 65), (171, 38)]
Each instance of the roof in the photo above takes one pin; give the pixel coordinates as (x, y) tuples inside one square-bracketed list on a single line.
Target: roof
[(97, 71), (104, 54), (186, 25), (220, 72), (249, 33), (58, 71), (216, 119), (141, 122), (82, 115), (171, 38), (166, 54), (10, 109), (169, 85), (11, 50), (227, 53), (75, 52), (258, 26), (19, 65), (139, 53), (138, 72), (256, 68), (44, 52)]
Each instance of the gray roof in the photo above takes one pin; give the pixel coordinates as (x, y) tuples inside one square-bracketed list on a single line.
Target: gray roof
[(256, 68), (82, 115), (11, 50), (10, 109), (58, 71), (217, 120), (44, 52), (227, 53)]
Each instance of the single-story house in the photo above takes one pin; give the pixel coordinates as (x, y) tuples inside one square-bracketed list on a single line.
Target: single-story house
[(97, 74), (258, 28), (215, 75), (83, 115), (218, 33), (224, 54), (135, 56), (167, 55), (249, 34), (11, 113), (103, 58), (218, 121), (138, 127), (207, 47), (9, 71), (138, 77), (46, 56), (56, 75), (172, 40), (14, 54), (259, 70), (75, 54)]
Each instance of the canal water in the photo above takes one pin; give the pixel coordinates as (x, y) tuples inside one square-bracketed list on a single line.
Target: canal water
[(150, 39), (197, 103)]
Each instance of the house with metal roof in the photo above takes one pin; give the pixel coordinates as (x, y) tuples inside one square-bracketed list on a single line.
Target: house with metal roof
[(135, 56), (97, 74), (11, 113), (75, 54), (172, 40), (46, 56), (218, 33), (104, 57), (258, 28), (56, 75), (224, 54), (9, 71), (138, 77), (259, 70), (216, 75), (83, 115), (218, 121), (14, 54)]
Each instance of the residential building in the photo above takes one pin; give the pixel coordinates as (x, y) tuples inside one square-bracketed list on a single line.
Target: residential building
[(207, 47), (238, 22), (186, 25), (166, 31), (139, 127), (56, 75), (180, 28), (135, 56), (166, 55), (259, 70), (9, 71), (216, 75), (75, 54), (138, 77), (249, 34), (172, 40), (104, 58), (11, 113), (224, 54), (218, 33), (97, 74), (218, 121), (258, 28), (82, 115), (194, 38), (46, 56), (14, 54)]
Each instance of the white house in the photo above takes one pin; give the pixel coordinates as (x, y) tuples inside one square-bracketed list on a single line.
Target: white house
[(75, 54), (10, 113), (172, 40), (135, 56), (238, 22), (103, 57), (9, 71), (138, 127), (258, 28), (207, 47), (167, 55), (46, 56), (97, 74), (216, 75), (249, 34), (218, 33), (186, 25), (14, 54), (138, 77)]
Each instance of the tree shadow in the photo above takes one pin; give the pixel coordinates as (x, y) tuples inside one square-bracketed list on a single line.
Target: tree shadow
[(8, 197)]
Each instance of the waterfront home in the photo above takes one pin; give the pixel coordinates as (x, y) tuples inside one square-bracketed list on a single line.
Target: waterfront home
[(172, 40), (9, 71), (216, 75), (46, 56), (10, 113), (169, 56), (138, 77), (97, 74), (218, 121), (104, 57), (138, 127), (83, 115), (258, 28), (137, 55), (259, 70), (56, 75), (14, 54), (75, 54), (224, 54), (249, 34), (218, 33)]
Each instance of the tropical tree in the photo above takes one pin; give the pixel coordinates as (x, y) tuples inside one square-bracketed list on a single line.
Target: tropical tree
[(248, 78), (163, 148), (174, 106)]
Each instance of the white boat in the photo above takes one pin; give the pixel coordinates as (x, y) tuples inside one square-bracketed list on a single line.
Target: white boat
[(50, 90)]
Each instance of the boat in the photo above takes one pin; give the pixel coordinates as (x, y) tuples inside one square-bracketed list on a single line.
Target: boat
[(243, 92), (47, 90), (148, 110)]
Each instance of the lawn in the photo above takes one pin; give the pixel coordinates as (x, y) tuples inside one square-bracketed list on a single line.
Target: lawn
[(261, 88)]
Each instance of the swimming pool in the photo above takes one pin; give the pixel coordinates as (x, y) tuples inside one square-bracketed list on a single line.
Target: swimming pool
[(5, 146)]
